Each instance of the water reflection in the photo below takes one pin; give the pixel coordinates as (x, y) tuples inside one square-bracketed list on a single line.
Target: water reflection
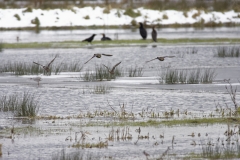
[(78, 35)]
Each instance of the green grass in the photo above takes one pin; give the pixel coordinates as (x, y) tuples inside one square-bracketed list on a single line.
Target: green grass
[(79, 44), (197, 121), (1, 46)]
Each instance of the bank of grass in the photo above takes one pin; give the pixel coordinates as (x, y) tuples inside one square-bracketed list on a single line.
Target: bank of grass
[(79, 44), (182, 122)]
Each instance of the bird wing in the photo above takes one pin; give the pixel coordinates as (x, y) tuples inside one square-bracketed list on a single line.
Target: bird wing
[(169, 56), (151, 60), (51, 61), (106, 67), (90, 59), (38, 64), (115, 66), (107, 54)]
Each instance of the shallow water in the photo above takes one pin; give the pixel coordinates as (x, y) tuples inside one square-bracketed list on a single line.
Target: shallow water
[(78, 35), (67, 95)]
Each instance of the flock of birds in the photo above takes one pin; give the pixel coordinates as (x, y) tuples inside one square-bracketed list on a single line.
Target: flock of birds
[(142, 32)]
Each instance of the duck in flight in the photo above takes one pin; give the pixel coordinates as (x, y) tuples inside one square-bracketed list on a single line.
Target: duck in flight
[(98, 55), (113, 68), (161, 58), (47, 67)]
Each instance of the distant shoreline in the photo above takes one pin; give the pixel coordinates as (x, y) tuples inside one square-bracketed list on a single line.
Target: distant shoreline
[(231, 25), (98, 18)]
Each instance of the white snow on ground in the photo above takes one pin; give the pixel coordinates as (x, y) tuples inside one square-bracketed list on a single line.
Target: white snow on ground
[(76, 17)]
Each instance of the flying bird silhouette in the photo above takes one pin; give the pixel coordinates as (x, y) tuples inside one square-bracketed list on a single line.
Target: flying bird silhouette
[(47, 67), (154, 34), (90, 39), (113, 68), (160, 58), (98, 55), (104, 38), (142, 31)]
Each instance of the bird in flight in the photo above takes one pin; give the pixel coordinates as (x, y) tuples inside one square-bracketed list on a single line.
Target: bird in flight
[(160, 58), (47, 67), (98, 55), (142, 31), (89, 39), (113, 68), (104, 38)]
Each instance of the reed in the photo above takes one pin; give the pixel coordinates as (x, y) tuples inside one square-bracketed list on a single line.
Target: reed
[(21, 105), (1, 46), (220, 151), (135, 71), (0, 150), (62, 155), (101, 73), (193, 76), (231, 51), (75, 66), (101, 89)]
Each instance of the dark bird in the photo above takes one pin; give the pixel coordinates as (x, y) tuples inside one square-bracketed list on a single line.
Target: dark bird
[(104, 38), (89, 39), (161, 58), (47, 67), (98, 55), (142, 31), (112, 70), (154, 34)]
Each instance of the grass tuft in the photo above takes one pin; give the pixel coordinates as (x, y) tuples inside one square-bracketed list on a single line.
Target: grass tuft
[(17, 17), (101, 89), (194, 76), (135, 71), (131, 13), (1, 46), (101, 73), (231, 51), (28, 9), (0, 150), (78, 155), (21, 105)]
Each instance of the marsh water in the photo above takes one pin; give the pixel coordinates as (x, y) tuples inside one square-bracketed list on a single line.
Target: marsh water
[(68, 95), (78, 35)]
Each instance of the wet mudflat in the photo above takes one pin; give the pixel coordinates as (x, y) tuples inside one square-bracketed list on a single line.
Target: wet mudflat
[(72, 112)]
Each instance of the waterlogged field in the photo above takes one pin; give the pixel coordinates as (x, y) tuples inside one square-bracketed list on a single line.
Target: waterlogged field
[(182, 107)]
